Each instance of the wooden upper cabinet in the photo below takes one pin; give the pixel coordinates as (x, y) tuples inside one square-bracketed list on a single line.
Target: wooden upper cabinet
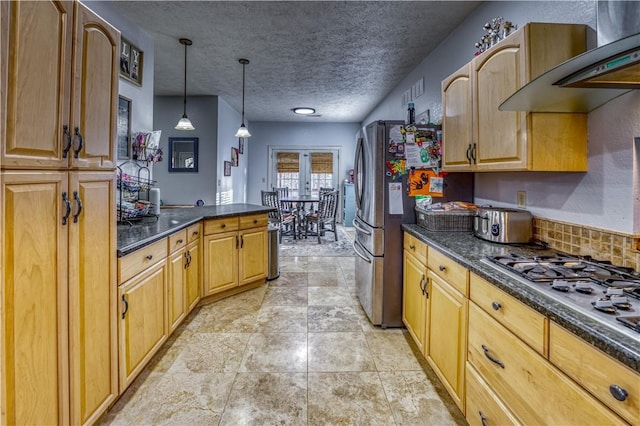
[(36, 66), (479, 137), (95, 91), (457, 120), (61, 72)]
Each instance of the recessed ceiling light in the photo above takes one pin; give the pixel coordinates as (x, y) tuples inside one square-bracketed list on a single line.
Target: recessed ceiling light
[(303, 110)]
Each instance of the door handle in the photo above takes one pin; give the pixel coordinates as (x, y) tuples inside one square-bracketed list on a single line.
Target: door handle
[(241, 241), (79, 203), (364, 231), (80, 143), (469, 154), (491, 358), (67, 147), (67, 203), (360, 255), (126, 306), (473, 154)]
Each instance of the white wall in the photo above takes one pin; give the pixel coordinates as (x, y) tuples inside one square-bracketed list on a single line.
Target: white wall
[(187, 188), (604, 196), (265, 134), (232, 189)]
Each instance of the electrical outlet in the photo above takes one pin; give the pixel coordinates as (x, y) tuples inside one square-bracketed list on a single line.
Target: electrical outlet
[(522, 199)]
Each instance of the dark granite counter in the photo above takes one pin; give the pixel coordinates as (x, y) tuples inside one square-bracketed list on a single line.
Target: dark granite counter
[(149, 230), (468, 250)]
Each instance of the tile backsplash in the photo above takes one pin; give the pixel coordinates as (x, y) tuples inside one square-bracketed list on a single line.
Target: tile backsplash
[(601, 244)]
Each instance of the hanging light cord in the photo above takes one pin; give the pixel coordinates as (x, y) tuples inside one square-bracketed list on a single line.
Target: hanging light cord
[(184, 113), (243, 65)]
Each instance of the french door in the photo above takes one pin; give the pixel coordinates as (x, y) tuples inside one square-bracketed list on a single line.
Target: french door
[(304, 171)]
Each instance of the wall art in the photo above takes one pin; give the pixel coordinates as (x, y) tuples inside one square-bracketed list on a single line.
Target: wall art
[(131, 61)]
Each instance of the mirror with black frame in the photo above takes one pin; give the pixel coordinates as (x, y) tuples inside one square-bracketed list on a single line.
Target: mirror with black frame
[(184, 155)]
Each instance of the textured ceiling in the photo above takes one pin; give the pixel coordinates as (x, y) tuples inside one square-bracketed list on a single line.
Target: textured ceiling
[(341, 58)]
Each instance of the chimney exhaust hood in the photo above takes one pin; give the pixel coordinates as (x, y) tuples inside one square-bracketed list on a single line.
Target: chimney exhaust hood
[(584, 82)]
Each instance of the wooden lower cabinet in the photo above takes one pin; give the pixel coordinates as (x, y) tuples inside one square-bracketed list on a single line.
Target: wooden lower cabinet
[(59, 353), (234, 258), (447, 335), (483, 407), (414, 300), (529, 385), (143, 320), (193, 275), (177, 289)]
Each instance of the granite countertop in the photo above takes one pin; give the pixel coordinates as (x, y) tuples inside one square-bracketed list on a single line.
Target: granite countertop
[(468, 250), (148, 230)]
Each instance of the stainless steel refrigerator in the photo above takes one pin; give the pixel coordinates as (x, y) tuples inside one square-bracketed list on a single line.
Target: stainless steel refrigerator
[(378, 242)]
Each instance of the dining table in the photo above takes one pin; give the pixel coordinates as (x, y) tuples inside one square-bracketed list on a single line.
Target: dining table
[(300, 209)]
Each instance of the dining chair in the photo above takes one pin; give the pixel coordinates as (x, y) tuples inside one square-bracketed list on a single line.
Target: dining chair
[(283, 192), (286, 222), (325, 218)]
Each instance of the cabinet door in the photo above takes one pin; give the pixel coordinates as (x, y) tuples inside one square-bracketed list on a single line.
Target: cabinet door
[(92, 296), (177, 273), (500, 136), (220, 262), (447, 331), (143, 325), (457, 121), (34, 328), (252, 262), (38, 90), (414, 301), (193, 274), (95, 91)]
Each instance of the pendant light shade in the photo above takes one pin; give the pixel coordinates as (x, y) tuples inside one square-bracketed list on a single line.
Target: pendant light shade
[(185, 123), (243, 132)]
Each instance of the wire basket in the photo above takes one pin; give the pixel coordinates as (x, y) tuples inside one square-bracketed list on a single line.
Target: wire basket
[(452, 220)]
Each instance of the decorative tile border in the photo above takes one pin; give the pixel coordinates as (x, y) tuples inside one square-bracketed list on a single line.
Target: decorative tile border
[(618, 248)]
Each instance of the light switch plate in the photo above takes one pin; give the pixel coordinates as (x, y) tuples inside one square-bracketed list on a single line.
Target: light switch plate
[(522, 199)]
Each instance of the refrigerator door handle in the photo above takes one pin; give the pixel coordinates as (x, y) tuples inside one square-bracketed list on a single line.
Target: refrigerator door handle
[(364, 231), (359, 253), (357, 173)]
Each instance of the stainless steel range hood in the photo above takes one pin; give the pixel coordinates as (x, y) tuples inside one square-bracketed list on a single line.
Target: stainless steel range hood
[(584, 82)]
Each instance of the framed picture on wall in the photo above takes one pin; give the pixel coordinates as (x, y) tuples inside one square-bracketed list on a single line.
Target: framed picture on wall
[(124, 128), (234, 157), (130, 62), (227, 168), (241, 145)]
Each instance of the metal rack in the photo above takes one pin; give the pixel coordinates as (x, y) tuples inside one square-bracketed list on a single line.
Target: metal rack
[(133, 194)]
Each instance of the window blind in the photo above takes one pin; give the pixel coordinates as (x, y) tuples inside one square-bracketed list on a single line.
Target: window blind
[(321, 162), (288, 162)]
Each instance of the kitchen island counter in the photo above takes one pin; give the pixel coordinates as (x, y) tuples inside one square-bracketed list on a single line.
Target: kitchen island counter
[(468, 250), (140, 234)]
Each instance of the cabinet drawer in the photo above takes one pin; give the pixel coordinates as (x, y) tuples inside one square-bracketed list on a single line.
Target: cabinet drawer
[(483, 406), (253, 221), (520, 319), (533, 389), (595, 371), (448, 269), (225, 224), (416, 247), (193, 232), (177, 240), (139, 260)]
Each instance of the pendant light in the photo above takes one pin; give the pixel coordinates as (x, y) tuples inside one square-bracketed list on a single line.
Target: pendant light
[(185, 123), (243, 132)]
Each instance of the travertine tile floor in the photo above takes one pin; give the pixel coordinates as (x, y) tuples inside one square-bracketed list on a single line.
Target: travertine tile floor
[(296, 351)]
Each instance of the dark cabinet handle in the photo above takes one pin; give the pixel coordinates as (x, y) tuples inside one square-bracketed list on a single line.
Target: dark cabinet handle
[(442, 267), (149, 256), (66, 201), (79, 203), (473, 154), (469, 154), (187, 260), (236, 242), (180, 241), (67, 147), (483, 419), (241, 241), (255, 221), (618, 393), (412, 247), (223, 225), (80, 142), (195, 233), (496, 306), (126, 306), (422, 285), (490, 358)]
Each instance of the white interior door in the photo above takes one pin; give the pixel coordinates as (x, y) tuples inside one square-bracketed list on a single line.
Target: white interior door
[(304, 171)]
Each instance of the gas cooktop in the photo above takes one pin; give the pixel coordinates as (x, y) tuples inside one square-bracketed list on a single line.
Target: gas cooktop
[(607, 293)]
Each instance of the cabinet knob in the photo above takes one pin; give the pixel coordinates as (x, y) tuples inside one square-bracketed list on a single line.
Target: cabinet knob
[(255, 221), (442, 267), (412, 247), (496, 306), (618, 393), (223, 225), (149, 256)]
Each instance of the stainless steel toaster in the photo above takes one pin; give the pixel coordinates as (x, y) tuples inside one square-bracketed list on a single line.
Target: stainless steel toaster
[(503, 225)]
